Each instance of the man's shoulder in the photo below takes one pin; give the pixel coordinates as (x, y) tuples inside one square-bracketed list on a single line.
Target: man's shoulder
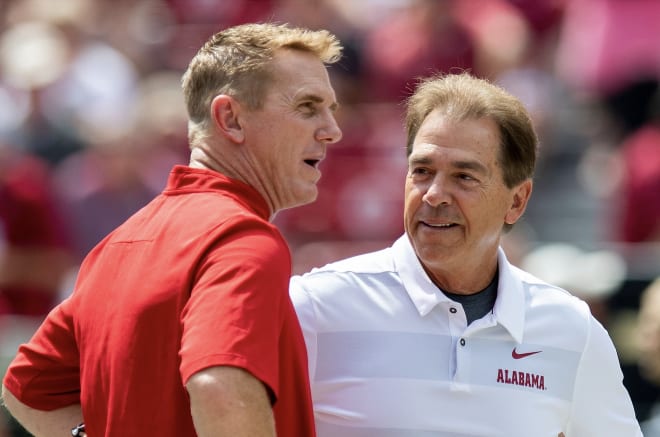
[(352, 293), (535, 285), (353, 273), (547, 300), (376, 262)]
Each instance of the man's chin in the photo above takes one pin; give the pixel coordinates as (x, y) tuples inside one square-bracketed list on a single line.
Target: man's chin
[(306, 198)]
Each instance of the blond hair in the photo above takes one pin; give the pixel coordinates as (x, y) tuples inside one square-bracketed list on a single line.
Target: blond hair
[(236, 62)]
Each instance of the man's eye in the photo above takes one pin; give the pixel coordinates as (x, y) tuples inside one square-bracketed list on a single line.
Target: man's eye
[(419, 171), (308, 107)]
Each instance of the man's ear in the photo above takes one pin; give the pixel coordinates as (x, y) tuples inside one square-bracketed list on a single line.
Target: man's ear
[(225, 112), (521, 195)]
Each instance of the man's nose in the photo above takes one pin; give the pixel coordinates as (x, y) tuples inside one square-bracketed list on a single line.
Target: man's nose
[(330, 133), (437, 193)]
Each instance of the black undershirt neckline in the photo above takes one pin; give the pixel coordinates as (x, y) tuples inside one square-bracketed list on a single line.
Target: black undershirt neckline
[(478, 304)]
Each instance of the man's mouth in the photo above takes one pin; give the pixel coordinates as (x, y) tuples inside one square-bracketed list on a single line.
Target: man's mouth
[(312, 162), (440, 225)]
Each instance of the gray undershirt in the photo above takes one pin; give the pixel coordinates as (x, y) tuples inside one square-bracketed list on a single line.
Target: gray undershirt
[(479, 304)]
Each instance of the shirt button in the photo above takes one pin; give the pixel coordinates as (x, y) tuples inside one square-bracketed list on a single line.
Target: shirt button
[(462, 342), (452, 310)]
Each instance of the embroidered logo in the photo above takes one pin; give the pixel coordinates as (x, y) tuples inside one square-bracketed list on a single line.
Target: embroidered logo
[(517, 356)]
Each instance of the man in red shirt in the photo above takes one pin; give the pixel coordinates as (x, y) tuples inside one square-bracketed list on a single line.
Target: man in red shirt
[(180, 322)]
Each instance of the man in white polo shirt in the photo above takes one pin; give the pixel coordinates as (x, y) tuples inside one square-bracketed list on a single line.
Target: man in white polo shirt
[(439, 335)]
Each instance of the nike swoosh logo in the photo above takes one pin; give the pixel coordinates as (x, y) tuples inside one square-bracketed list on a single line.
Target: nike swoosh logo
[(517, 356)]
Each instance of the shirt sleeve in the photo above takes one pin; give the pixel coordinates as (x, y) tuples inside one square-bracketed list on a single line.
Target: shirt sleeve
[(234, 314), (602, 405), (305, 311), (45, 374)]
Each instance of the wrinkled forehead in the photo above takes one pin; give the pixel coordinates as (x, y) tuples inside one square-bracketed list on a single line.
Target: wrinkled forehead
[(469, 133)]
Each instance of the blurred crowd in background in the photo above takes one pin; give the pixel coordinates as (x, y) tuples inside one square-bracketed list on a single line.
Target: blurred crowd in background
[(92, 119)]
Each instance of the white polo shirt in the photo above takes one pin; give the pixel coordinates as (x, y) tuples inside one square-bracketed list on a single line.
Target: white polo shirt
[(391, 356)]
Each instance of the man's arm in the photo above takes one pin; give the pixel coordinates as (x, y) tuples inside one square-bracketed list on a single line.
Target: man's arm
[(228, 401), (601, 404), (53, 423)]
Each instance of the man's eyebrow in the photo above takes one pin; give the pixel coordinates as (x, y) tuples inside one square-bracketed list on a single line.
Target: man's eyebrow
[(459, 164), (419, 160), (470, 165)]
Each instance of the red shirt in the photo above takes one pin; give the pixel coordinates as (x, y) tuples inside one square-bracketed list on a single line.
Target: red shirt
[(197, 278)]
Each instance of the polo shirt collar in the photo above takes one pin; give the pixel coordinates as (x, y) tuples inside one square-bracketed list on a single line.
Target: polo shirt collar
[(510, 305), (425, 295), (422, 291), (184, 179)]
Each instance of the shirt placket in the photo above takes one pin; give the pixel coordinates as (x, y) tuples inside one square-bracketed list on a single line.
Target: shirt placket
[(460, 360)]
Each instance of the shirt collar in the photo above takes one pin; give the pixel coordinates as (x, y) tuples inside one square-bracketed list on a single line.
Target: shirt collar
[(510, 305), (184, 179), (422, 291), (425, 295)]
